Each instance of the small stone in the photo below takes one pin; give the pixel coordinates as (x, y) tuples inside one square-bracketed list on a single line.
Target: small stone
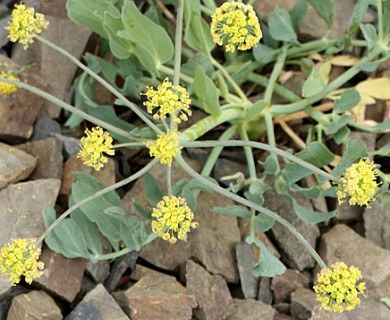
[(211, 292), (283, 285), (45, 128), (377, 224), (139, 271), (303, 301), (61, 276), (99, 271), (265, 294), (120, 266), (249, 309), (348, 214), (245, 263), (34, 305), (97, 304), (71, 144), (15, 165)]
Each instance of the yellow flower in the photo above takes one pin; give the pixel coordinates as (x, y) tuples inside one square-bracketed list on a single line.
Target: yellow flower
[(173, 217), (166, 147), (25, 25), (337, 289), (359, 182), (7, 88), (20, 258), (170, 100), (93, 146), (236, 25)]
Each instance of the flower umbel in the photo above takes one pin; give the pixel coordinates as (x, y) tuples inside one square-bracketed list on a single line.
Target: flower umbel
[(93, 146), (20, 258), (359, 182), (166, 147), (173, 216), (170, 99), (337, 289), (7, 88), (25, 25), (236, 25)]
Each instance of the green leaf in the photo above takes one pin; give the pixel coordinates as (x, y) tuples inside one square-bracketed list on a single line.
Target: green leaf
[(349, 99), (263, 53), (297, 13), (190, 198), (49, 216), (255, 110), (198, 36), (134, 234), (264, 222), (369, 33), (341, 135), (197, 60), (358, 13), (310, 216), (255, 197), (310, 193), (386, 301), (146, 213), (237, 211), (338, 122), (100, 65), (270, 166), (325, 9), (313, 84), (280, 25), (383, 151), (206, 92), (355, 150), (153, 192)]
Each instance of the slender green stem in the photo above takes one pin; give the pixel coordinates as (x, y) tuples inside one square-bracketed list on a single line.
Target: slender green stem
[(96, 195), (109, 87), (248, 154), (210, 4), (206, 10), (379, 11), (170, 71), (271, 137), (129, 145), (251, 204), (178, 41), (169, 180)]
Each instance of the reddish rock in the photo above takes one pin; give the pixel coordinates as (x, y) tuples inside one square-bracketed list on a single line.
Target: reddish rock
[(283, 285), (141, 271), (249, 309)]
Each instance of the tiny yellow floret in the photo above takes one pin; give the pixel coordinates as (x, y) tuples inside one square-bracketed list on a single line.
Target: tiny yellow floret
[(20, 258), (7, 88), (166, 147), (93, 146), (25, 25), (235, 25), (173, 218), (337, 287), (169, 100), (359, 183)]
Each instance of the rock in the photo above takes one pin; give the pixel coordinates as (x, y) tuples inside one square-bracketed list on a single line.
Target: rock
[(217, 256), (34, 305), (99, 271), (283, 316), (97, 304), (303, 301), (283, 285), (249, 309), (225, 168), (71, 144), (377, 224), (7, 297), (48, 152), (348, 214), (140, 271), (245, 263), (15, 165), (368, 138), (211, 292), (265, 294), (295, 255), (61, 276), (118, 269), (45, 128), (159, 297), (73, 39)]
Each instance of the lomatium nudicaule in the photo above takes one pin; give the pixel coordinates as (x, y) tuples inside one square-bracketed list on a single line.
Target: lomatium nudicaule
[(8, 88), (235, 25), (337, 288), (20, 258), (166, 147)]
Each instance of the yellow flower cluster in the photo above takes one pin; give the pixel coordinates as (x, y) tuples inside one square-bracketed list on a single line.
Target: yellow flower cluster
[(25, 25), (359, 182), (20, 258), (166, 147), (337, 289), (7, 88), (236, 25), (173, 216), (170, 99), (93, 146)]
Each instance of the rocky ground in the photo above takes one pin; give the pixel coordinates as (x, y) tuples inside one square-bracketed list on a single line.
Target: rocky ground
[(207, 278)]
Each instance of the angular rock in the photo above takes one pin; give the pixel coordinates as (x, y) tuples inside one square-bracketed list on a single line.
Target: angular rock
[(249, 309), (211, 292), (34, 305), (283, 285), (377, 224), (245, 264), (15, 165), (71, 144), (295, 255), (48, 152), (140, 271), (45, 128), (118, 269), (62, 276), (303, 301), (217, 256), (348, 214), (265, 294), (97, 304), (99, 271), (159, 297)]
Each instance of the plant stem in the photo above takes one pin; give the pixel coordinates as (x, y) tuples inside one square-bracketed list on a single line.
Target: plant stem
[(379, 11), (248, 154), (271, 137), (178, 41)]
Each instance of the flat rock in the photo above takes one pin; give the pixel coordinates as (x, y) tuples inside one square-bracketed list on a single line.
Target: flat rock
[(283, 285), (61, 276), (139, 271), (15, 165), (216, 255), (159, 297), (295, 255), (377, 224), (265, 293), (249, 309), (245, 264), (211, 292), (45, 128), (120, 266), (48, 152), (303, 301), (99, 271), (97, 304), (34, 305)]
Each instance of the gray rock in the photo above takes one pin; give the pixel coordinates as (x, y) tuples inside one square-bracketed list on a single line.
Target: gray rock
[(97, 304), (368, 138), (71, 145), (249, 309), (45, 128), (99, 271), (348, 214), (121, 264), (377, 224), (283, 285), (265, 294), (15, 165), (245, 263), (303, 301)]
